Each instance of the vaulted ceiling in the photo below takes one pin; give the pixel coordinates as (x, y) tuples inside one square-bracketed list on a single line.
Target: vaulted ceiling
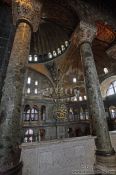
[(58, 22)]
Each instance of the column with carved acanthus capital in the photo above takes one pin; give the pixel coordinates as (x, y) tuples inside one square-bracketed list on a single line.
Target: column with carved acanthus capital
[(27, 11), (84, 33), (26, 14)]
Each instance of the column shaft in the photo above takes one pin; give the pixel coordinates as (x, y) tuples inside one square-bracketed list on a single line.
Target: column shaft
[(11, 99), (95, 101), (6, 60)]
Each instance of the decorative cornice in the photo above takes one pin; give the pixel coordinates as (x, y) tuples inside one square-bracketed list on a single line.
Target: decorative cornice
[(28, 11), (84, 33)]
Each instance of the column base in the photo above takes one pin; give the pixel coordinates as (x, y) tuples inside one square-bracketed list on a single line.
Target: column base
[(105, 164), (17, 170)]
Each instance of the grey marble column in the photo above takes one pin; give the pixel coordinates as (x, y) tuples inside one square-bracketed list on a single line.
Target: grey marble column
[(12, 92), (12, 96), (103, 143), (5, 61)]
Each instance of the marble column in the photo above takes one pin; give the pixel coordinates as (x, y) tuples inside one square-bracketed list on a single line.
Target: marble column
[(26, 16), (86, 35)]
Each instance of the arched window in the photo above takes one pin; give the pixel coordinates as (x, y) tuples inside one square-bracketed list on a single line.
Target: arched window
[(29, 80), (30, 114), (74, 80), (86, 115), (59, 51), (50, 55), (113, 112), (35, 91), (71, 114), (111, 89), (34, 114), (43, 112), (80, 98), (62, 47), (35, 58), (30, 58), (36, 83), (85, 97), (82, 114), (66, 43), (54, 53), (106, 70), (29, 135)]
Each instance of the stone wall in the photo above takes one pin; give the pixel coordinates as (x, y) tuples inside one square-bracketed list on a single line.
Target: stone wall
[(61, 157), (113, 138)]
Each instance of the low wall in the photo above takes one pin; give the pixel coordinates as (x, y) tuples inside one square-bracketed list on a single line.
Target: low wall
[(113, 138), (60, 157)]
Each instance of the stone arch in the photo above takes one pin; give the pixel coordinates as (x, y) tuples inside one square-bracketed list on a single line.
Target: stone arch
[(105, 84)]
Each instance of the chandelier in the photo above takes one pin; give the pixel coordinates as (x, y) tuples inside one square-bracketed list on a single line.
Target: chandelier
[(60, 96), (59, 93), (60, 110)]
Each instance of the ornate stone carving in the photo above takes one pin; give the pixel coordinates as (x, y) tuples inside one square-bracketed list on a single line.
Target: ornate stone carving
[(84, 33), (27, 10)]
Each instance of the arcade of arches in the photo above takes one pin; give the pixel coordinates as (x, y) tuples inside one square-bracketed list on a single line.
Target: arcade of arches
[(57, 77)]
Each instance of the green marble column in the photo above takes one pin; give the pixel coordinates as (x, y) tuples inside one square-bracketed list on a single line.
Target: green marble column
[(26, 15), (95, 100), (86, 34)]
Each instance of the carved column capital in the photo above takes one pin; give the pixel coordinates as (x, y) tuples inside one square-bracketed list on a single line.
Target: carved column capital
[(84, 33), (28, 11)]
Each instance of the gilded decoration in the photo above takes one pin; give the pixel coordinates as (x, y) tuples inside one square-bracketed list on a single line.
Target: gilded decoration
[(60, 110)]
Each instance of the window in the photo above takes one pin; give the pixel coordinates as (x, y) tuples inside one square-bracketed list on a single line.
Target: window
[(59, 51), (36, 83), (106, 70), (80, 98), (30, 58), (54, 53), (75, 98), (28, 90), (62, 47), (29, 135), (71, 115), (82, 115), (43, 112), (113, 112), (86, 115), (66, 43), (49, 55), (35, 91), (30, 114), (35, 58), (29, 80), (112, 89), (74, 80), (85, 97)]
